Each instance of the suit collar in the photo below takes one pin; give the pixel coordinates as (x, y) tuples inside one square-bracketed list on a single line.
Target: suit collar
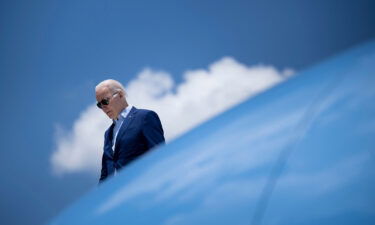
[(125, 125), (123, 114)]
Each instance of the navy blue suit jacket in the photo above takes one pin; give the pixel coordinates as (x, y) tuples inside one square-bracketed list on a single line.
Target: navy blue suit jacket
[(140, 131)]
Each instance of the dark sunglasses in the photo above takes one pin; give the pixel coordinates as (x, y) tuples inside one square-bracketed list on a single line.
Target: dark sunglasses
[(104, 101)]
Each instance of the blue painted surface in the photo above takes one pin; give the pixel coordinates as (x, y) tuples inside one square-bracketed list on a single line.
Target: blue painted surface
[(300, 153)]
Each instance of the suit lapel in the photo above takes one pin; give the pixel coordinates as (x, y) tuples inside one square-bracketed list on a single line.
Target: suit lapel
[(109, 142), (125, 125)]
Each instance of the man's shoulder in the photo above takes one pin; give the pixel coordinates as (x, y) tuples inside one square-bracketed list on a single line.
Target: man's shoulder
[(143, 112)]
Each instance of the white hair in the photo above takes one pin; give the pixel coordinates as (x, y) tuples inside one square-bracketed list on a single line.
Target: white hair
[(112, 85)]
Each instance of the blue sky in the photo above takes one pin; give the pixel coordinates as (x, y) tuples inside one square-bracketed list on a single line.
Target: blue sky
[(52, 53)]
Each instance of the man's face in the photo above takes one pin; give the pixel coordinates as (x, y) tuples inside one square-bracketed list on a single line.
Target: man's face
[(114, 107)]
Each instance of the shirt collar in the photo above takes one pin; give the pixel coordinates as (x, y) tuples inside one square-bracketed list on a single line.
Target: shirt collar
[(123, 114)]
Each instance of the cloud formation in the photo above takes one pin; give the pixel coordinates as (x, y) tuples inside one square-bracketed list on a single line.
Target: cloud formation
[(203, 94)]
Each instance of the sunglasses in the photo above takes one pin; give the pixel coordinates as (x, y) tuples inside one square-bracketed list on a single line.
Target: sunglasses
[(105, 101)]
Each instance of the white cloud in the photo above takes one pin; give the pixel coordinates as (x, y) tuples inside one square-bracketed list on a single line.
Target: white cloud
[(78, 149), (202, 95)]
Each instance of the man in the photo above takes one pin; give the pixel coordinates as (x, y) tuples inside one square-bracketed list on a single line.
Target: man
[(132, 133)]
